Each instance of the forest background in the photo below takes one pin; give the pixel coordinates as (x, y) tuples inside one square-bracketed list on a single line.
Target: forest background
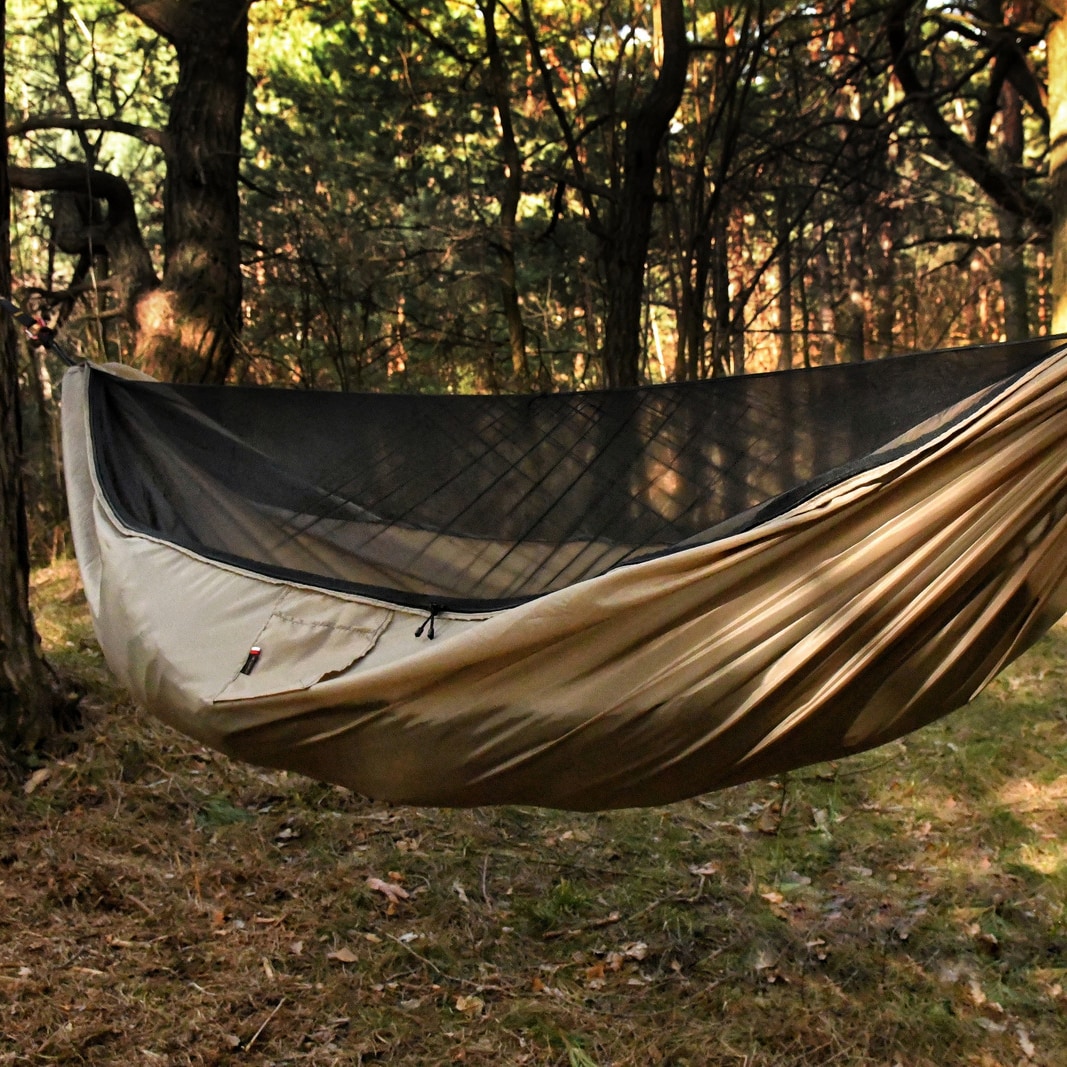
[(451, 195), (489, 195), (518, 195)]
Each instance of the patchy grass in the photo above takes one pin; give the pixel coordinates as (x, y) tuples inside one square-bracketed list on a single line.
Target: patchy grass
[(162, 905)]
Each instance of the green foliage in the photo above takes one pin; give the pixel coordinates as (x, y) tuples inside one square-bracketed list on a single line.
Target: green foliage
[(86, 62), (374, 216)]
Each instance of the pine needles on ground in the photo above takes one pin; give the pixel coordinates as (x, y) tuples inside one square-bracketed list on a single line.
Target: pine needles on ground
[(162, 904)]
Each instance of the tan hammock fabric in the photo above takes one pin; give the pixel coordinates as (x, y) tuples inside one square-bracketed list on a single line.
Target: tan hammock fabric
[(878, 605)]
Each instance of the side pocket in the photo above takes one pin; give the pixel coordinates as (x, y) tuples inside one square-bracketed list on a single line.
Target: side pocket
[(308, 637)]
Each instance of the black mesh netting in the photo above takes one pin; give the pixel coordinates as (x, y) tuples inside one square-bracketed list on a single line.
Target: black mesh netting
[(479, 501)]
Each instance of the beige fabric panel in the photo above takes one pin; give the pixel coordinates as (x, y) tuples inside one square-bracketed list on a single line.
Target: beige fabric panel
[(868, 611)]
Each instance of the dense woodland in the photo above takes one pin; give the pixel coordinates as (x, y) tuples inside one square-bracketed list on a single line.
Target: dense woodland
[(483, 195), (532, 194)]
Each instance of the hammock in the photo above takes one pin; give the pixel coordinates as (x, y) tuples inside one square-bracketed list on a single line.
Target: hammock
[(581, 601)]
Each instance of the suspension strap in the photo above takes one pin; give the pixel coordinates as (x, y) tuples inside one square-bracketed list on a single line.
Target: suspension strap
[(38, 332)]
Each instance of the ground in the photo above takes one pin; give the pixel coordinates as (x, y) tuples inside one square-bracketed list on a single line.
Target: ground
[(164, 905)]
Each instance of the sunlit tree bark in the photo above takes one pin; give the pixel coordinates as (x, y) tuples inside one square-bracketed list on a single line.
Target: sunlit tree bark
[(1057, 92), (188, 325), (185, 322)]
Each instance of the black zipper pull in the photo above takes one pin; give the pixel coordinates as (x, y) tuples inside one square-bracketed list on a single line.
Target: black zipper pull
[(428, 623)]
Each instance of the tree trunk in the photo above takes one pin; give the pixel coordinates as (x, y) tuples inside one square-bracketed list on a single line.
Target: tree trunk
[(1014, 282), (1057, 92), (783, 218), (630, 226), (27, 698), (720, 293), (188, 326), (510, 194), (851, 319), (131, 277), (883, 285)]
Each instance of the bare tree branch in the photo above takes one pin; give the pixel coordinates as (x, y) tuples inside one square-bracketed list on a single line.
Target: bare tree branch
[(997, 185), (148, 134), (118, 235), (181, 20)]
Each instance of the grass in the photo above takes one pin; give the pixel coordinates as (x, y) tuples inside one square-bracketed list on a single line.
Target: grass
[(162, 905)]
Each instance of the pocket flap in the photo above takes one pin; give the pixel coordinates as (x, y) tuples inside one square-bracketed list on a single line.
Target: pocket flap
[(308, 637)]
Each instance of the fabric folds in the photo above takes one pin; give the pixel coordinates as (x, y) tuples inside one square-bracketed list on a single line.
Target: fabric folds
[(826, 596)]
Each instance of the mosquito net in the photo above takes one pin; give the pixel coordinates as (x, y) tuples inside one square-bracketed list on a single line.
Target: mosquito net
[(478, 502)]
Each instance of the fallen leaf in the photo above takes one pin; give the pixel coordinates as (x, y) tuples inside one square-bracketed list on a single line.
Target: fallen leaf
[(1025, 1043), (390, 890), (705, 870), (764, 960), (575, 835), (38, 778), (343, 955), (470, 1005), (769, 821)]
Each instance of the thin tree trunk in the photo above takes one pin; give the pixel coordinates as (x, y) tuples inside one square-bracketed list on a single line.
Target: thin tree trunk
[(1014, 282), (630, 230), (27, 698), (785, 282), (510, 195), (720, 293), (47, 494), (883, 287), (852, 311)]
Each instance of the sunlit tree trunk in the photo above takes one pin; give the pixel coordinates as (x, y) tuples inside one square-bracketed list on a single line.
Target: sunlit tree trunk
[(785, 281), (188, 325), (720, 294), (1057, 93), (883, 311), (630, 228)]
